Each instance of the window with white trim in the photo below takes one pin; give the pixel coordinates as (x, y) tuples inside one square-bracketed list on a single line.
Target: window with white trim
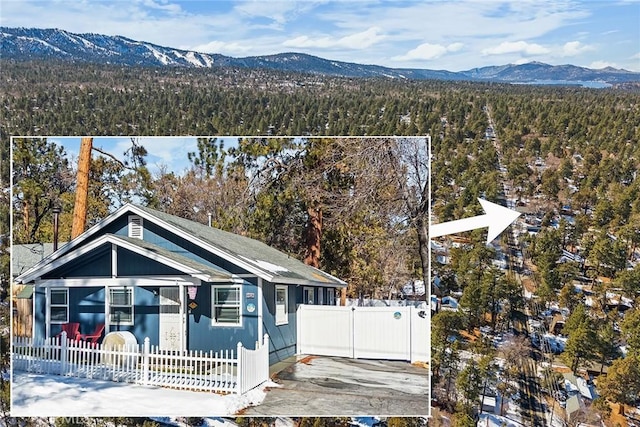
[(226, 305), (59, 306), (282, 303), (331, 296), (308, 295), (121, 306)]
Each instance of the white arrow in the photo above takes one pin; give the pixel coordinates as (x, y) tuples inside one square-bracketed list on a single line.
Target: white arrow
[(496, 217)]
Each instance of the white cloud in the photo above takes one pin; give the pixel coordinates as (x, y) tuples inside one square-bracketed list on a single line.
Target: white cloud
[(521, 47), (428, 51), (163, 5), (574, 48), (361, 40), (216, 46)]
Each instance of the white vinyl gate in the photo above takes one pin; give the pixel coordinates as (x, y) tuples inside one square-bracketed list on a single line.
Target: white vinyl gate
[(394, 333)]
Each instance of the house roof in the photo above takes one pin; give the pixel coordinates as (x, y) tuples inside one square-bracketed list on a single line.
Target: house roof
[(25, 256), (252, 255), (261, 259), (146, 247), (177, 261), (26, 292)]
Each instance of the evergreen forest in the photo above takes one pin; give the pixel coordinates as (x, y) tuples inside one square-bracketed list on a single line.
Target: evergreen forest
[(355, 207)]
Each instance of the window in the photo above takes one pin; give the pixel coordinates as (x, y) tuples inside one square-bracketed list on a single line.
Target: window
[(121, 306), (282, 297), (307, 296), (59, 307), (226, 306), (320, 296), (331, 296)]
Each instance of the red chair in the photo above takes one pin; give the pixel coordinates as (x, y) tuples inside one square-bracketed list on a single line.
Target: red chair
[(95, 336), (72, 329)]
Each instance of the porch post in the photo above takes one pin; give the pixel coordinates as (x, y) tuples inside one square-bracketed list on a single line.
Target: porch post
[(107, 303), (47, 312), (260, 308), (183, 318)]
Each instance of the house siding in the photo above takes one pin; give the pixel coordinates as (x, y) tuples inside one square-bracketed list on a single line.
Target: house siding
[(133, 264), (95, 263), (39, 314), (88, 308), (283, 338), (203, 335)]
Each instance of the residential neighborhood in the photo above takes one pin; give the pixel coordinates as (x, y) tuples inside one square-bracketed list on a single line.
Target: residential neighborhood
[(543, 318)]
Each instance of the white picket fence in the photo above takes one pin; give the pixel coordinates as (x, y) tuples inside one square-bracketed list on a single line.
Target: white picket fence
[(225, 372)]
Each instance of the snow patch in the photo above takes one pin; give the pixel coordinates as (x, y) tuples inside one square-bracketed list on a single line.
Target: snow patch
[(273, 268), (159, 55), (49, 395)]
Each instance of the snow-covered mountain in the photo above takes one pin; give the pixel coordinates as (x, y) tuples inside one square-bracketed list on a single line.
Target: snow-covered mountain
[(55, 44)]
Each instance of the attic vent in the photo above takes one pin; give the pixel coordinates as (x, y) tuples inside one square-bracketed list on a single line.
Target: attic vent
[(135, 226)]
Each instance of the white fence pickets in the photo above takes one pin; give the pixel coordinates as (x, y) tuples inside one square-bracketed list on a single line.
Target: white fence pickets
[(253, 365), (395, 333), (225, 371)]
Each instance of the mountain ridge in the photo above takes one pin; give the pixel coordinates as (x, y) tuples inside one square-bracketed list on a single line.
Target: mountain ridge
[(35, 43)]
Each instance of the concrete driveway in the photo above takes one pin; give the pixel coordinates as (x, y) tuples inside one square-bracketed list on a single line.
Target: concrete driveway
[(334, 386)]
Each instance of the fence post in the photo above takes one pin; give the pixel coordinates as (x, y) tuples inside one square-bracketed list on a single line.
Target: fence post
[(145, 361), (239, 389), (63, 353), (265, 366)]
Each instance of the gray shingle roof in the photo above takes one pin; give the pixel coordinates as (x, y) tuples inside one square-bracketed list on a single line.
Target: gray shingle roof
[(23, 257), (209, 270), (260, 256)]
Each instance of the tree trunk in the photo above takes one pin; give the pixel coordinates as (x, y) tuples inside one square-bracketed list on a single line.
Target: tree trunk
[(27, 219), (314, 236), (423, 245), (82, 189)]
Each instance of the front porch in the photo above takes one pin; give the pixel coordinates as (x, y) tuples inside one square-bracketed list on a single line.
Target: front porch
[(147, 307)]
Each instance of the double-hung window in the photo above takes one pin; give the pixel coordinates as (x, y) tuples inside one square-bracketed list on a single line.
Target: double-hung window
[(59, 306), (226, 305), (121, 306), (282, 297)]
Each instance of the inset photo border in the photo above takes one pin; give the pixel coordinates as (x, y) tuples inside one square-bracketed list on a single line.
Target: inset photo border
[(220, 276)]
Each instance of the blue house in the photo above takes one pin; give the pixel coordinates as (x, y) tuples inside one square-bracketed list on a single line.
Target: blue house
[(184, 285)]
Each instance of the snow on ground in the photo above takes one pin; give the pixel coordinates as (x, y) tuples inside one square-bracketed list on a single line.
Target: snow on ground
[(49, 395), (490, 420)]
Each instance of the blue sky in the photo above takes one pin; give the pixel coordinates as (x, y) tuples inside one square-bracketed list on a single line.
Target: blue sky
[(163, 151), (445, 34)]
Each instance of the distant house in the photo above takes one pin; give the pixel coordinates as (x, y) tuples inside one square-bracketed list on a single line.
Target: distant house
[(576, 385), (184, 285), (449, 303), (557, 324), (414, 290)]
